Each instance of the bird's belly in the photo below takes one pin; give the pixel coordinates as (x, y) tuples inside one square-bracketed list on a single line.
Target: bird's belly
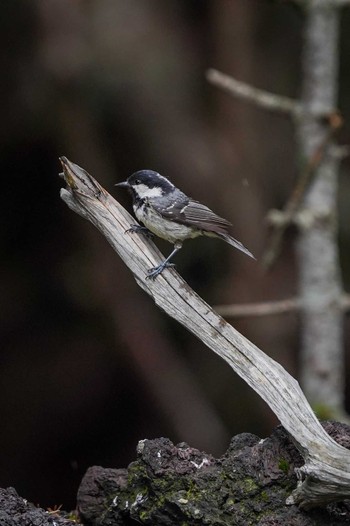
[(163, 228)]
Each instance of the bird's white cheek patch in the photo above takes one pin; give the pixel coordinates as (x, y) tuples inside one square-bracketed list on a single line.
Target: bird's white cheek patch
[(145, 191)]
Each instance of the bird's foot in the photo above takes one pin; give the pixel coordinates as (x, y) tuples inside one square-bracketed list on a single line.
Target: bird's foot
[(154, 272), (139, 230)]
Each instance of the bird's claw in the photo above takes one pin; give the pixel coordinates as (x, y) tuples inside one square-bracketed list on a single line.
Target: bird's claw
[(139, 230), (155, 271)]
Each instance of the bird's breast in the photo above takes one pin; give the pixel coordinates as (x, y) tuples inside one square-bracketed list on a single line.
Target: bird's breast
[(162, 227)]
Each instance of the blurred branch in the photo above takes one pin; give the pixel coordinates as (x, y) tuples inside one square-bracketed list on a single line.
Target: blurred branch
[(269, 308), (264, 308), (326, 472), (345, 302), (280, 220), (259, 97), (322, 3)]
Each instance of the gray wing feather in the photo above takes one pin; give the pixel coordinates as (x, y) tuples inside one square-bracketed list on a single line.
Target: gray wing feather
[(193, 213)]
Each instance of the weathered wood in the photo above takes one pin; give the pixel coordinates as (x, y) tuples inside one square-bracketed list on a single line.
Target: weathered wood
[(325, 477)]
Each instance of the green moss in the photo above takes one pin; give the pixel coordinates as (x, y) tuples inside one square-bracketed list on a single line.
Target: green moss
[(193, 499), (136, 472), (323, 412), (144, 515), (264, 496), (72, 516), (250, 485), (283, 465)]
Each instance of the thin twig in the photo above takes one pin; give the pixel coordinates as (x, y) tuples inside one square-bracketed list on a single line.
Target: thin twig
[(264, 308), (273, 102), (323, 3), (297, 195), (259, 97), (269, 308)]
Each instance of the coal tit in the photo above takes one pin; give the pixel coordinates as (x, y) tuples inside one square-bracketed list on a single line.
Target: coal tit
[(171, 215)]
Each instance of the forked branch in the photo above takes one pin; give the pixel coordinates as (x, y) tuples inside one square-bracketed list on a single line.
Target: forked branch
[(325, 477)]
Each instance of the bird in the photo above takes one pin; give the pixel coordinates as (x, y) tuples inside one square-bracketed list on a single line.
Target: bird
[(168, 213)]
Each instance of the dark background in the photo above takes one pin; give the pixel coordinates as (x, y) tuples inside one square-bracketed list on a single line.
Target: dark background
[(89, 365)]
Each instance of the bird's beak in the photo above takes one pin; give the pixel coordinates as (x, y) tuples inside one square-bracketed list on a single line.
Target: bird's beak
[(123, 184)]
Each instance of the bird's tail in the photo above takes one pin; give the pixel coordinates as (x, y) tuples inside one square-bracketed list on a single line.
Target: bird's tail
[(237, 244)]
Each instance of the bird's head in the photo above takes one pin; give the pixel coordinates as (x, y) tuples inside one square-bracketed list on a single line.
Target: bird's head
[(146, 184)]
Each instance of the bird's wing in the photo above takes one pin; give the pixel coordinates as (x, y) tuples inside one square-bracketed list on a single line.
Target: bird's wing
[(193, 213)]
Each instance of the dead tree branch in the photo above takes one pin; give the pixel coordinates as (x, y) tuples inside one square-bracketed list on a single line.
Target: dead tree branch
[(259, 97), (325, 477)]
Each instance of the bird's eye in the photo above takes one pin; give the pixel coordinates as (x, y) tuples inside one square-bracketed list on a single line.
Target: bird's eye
[(137, 181)]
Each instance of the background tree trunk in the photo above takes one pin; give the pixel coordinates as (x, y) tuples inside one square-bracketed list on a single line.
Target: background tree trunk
[(322, 356)]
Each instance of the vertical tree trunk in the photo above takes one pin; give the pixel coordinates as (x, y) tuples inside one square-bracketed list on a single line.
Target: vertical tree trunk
[(320, 282)]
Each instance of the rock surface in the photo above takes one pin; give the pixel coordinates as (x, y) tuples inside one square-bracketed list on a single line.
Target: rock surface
[(178, 485), (16, 511)]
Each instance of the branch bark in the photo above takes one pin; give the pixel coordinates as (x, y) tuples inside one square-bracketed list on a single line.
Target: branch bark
[(325, 477)]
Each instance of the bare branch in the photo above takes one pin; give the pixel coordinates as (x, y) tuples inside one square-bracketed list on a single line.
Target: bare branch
[(269, 308), (322, 3), (265, 308), (286, 217), (273, 102), (259, 97), (326, 471)]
